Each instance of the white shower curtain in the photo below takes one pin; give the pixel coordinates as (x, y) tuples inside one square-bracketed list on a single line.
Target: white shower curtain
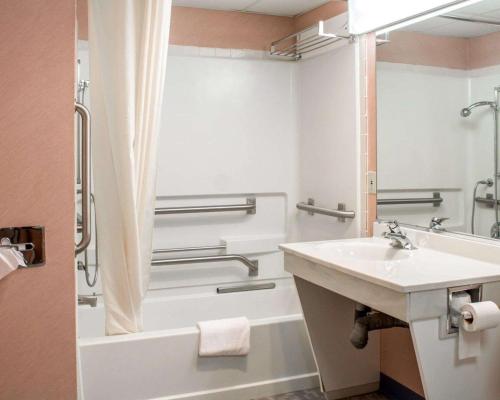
[(128, 41)]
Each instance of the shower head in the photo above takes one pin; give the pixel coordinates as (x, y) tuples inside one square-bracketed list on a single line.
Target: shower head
[(488, 182), (465, 112)]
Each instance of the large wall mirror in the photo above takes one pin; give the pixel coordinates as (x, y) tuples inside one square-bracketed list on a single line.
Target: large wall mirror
[(438, 87)]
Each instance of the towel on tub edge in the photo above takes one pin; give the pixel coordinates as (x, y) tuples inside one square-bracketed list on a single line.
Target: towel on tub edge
[(224, 337)]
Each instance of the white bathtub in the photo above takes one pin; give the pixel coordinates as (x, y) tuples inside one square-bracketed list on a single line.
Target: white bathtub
[(162, 362)]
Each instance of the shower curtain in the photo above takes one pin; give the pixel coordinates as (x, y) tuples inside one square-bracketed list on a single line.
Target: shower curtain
[(128, 41)]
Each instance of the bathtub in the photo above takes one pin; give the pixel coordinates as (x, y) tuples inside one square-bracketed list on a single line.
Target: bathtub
[(162, 362)]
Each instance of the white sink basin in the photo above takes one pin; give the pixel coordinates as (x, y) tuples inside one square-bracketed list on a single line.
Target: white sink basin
[(369, 251), (375, 261)]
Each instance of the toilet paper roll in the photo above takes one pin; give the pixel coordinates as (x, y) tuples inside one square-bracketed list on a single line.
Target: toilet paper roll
[(485, 315), (469, 344)]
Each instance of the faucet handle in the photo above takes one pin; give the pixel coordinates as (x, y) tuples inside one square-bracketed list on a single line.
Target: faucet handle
[(438, 220), (393, 226)]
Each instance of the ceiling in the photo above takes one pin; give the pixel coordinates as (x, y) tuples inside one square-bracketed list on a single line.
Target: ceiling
[(286, 8), (486, 9)]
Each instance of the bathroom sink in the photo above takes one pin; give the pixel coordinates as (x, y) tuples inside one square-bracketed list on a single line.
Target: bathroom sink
[(373, 260), (367, 251)]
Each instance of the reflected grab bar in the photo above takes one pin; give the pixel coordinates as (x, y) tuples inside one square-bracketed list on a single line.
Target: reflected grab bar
[(340, 212), (183, 249), (250, 207), (435, 200), (253, 265), (84, 114)]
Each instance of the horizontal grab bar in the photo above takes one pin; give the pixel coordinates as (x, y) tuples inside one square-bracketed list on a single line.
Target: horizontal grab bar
[(183, 249), (435, 200), (250, 207), (340, 212), (253, 265), (486, 200), (245, 288)]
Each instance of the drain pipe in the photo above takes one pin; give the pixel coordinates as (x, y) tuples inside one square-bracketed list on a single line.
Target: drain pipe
[(366, 320)]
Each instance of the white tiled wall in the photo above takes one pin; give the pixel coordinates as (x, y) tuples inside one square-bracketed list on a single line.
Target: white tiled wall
[(424, 145)]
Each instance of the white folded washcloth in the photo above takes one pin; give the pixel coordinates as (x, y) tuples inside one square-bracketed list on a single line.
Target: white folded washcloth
[(224, 337)]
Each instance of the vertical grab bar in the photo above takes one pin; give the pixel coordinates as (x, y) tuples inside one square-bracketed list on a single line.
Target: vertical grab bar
[(84, 114)]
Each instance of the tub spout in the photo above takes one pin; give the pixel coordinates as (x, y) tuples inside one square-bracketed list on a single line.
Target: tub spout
[(366, 320)]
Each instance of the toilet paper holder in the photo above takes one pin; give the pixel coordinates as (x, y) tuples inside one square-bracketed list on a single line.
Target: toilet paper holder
[(29, 240), (476, 295)]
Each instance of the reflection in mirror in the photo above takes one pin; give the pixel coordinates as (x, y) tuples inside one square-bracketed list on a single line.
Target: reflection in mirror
[(438, 84)]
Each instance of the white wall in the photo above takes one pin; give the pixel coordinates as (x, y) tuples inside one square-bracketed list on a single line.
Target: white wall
[(421, 140), (328, 112), (237, 124), (229, 132)]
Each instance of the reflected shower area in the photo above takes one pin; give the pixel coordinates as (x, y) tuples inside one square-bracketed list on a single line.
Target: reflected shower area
[(438, 85)]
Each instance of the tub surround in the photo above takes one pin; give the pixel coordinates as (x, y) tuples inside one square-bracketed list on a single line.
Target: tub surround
[(412, 286)]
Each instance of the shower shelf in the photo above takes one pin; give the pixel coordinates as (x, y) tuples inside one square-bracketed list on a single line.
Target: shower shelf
[(293, 46)]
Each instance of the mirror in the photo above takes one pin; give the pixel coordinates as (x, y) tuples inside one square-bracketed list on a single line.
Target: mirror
[(438, 88)]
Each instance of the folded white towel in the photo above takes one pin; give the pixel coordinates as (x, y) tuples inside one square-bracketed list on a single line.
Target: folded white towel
[(224, 337)]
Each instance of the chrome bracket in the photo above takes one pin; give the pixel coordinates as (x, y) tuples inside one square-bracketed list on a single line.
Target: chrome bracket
[(476, 294), (252, 201), (29, 240), (437, 196), (310, 202)]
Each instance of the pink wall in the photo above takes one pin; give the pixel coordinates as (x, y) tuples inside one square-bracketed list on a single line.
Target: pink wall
[(420, 49), (441, 51), (37, 307), (398, 359), (226, 29), (82, 13), (484, 51), (229, 29), (323, 12)]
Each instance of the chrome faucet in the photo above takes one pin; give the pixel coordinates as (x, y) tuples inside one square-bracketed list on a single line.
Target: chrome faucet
[(398, 238), (87, 300), (435, 225)]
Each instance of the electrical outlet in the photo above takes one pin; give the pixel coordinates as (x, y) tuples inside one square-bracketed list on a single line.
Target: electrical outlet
[(371, 182)]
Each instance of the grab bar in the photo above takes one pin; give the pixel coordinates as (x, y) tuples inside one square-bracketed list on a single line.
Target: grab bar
[(489, 201), (340, 212), (84, 114), (435, 200), (183, 249), (253, 265), (245, 288), (250, 207)]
